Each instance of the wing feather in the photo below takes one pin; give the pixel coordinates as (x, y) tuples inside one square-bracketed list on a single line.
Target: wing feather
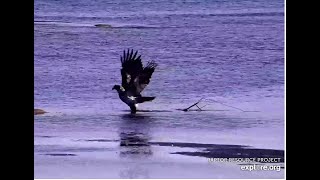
[(131, 68), (144, 77), (135, 77)]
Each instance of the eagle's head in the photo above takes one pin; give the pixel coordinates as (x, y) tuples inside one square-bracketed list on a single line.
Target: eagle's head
[(116, 87)]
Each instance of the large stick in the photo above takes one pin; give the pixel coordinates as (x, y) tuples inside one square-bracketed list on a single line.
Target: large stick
[(195, 104)]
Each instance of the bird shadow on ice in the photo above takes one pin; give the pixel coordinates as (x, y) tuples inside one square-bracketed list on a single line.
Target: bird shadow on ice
[(134, 144), (135, 134)]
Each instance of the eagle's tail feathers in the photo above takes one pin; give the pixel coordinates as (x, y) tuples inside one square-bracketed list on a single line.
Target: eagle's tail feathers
[(143, 99)]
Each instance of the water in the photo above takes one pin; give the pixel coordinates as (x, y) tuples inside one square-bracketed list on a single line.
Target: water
[(226, 51)]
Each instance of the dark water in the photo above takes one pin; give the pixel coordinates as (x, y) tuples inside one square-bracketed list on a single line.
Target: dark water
[(225, 50)]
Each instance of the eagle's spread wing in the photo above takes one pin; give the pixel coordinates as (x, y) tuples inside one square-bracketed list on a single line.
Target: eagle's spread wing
[(135, 77), (131, 68), (144, 77)]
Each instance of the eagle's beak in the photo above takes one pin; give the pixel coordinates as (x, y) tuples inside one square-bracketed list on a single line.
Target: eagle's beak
[(113, 88)]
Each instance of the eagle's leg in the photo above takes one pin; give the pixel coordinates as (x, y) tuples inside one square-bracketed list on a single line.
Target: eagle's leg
[(133, 109)]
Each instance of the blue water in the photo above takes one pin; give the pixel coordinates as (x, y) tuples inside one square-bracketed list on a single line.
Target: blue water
[(225, 51)]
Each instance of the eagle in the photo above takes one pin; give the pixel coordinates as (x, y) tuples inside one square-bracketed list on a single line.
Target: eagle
[(135, 78)]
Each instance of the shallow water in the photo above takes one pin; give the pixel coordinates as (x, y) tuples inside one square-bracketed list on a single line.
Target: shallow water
[(229, 52)]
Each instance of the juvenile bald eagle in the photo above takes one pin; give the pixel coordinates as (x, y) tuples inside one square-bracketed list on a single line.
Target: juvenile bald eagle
[(135, 78)]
